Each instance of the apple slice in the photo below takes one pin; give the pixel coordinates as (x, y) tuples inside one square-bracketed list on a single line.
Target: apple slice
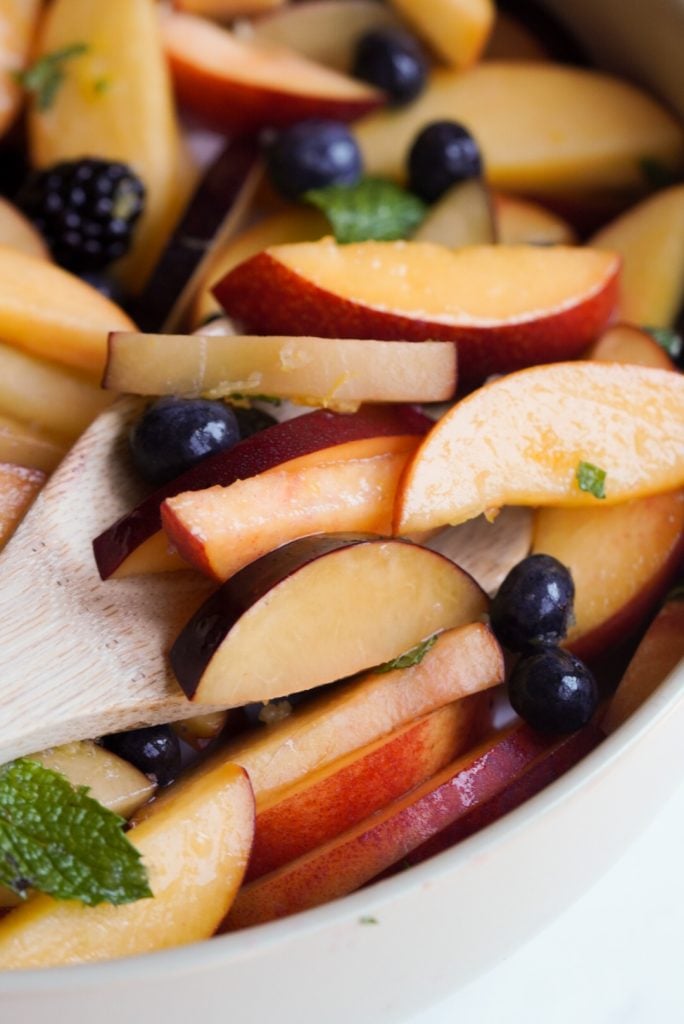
[(17, 232), (511, 39), (542, 424), (115, 102), (50, 313), (506, 307), (463, 216), (222, 529), (463, 661), (28, 446), (325, 31), (650, 240), (134, 543), (660, 651), (522, 222), (19, 487), (514, 110), (195, 841), (336, 373), (625, 343), (336, 797), (350, 601), (356, 856), (456, 29), (235, 85)]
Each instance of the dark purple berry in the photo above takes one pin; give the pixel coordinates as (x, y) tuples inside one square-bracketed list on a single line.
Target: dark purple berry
[(392, 60), (312, 154), (534, 604), (154, 751), (553, 691), (442, 154)]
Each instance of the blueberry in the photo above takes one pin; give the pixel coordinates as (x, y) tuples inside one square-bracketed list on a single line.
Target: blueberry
[(553, 691), (534, 604), (313, 154), (252, 420), (392, 60), (154, 751), (175, 433), (442, 154)]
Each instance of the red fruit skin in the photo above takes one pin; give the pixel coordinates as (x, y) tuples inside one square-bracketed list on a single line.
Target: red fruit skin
[(270, 298)]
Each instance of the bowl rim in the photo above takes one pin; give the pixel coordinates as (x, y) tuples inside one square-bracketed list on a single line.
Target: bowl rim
[(220, 951)]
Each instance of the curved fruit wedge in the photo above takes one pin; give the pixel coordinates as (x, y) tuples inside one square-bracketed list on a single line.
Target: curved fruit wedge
[(226, 10), (236, 85), (332, 372), (650, 240), (17, 27), (195, 843), (625, 343), (135, 543), (463, 216), (511, 39), (317, 610), (528, 438), (28, 446), (507, 307), (456, 29), (19, 487), (522, 222), (17, 232), (515, 111)]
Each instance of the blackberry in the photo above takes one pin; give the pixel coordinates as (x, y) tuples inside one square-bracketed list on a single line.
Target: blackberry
[(85, 209)]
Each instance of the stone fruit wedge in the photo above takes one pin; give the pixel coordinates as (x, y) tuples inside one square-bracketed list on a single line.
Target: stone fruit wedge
[(25, 445), (456, 29), (335, 373), (17, 232), (17, 27), (463, 216), (506, 307), (236, 85), (195, 843), (317, 610), (624, 343), (135, 543), (522, 222), (528, 438)]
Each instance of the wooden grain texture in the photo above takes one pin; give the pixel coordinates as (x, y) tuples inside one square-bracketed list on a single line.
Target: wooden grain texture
[(81, 657)]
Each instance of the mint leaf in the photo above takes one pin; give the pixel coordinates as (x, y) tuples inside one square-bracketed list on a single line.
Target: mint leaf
[(57, 839), (44, 78), (411, 657), (372, 210), (592, 479), (668, 339), (367, 919)]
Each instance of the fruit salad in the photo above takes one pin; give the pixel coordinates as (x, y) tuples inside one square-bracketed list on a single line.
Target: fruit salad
[(341, 355)]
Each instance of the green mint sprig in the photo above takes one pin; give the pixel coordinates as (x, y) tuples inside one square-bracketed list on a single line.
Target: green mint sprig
[(58, 840), (44, 78), (411, 657), (591, 478), (373, 210)]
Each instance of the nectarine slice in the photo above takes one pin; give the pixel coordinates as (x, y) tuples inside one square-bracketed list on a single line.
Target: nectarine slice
[(650, 240), (237, 85), (544, 129), (17, 232), (19, 486), (507, 307), (28, 446), (226, 10), (336, 373), (522, 440), (195, 842), (463, 216), (523, 222), (457, 29), (625, 343), (317, 610)]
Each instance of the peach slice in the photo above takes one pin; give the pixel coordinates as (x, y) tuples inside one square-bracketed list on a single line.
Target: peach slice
[(507, 307), (463, 216), (195, 842), (116, 103), (356, 856), (134, 543), (625, 343), (27, 446), (336, 373), (511, 39), (235, 85), (457, 29), (222, 529), (297, 224), (18, 20), (521, 440), (522, 222), (46, 395), (226, 10), (463, 661), (50, 313), (515, 109), (650, 240), (350, 601), (17, 232), (332, 799), (19, 487), (660, 651)]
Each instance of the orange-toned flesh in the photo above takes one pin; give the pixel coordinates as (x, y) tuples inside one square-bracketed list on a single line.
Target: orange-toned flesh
[(19, 487)]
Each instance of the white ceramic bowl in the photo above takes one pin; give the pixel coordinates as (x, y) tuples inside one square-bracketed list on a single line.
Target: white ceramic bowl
[(439, 924)]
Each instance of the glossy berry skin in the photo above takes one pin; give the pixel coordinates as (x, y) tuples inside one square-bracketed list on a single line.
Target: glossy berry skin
[(175, 433), (442, 154), (553, 691), (533, 606), (313, 154), (392, 60), (154, 751)]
